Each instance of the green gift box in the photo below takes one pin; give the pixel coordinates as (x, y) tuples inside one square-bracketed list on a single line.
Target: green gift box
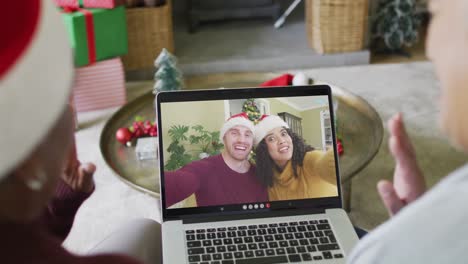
[(96, 34)]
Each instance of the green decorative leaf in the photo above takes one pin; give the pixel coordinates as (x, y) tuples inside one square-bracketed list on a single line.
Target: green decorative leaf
[(396, 23), (384, 3), (406, 6), (215, 135), (139, 118), (167, 73), (387, 25), (411, 37), (392, 12), (198, 128), (165, 58), (177, 132), (394, 40), (207, 141), (250, 108)]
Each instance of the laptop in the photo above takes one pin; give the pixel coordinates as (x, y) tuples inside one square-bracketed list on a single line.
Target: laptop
[(312, 228)]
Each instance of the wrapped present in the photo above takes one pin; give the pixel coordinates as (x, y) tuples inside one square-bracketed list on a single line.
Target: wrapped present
[(99, 86), (96, 34), (89, 3)]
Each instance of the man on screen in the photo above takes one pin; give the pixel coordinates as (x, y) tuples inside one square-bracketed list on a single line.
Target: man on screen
[(227, 178)]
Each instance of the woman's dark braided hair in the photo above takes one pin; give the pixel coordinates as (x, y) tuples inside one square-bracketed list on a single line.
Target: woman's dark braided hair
[(265, 164)]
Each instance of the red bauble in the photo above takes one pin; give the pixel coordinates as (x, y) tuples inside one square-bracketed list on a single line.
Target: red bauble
[(123, 135), (340, 148), (138, 129)]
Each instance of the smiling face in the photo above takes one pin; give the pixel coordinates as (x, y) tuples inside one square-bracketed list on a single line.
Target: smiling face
[(447, 47), (238, 142), (280, 146)]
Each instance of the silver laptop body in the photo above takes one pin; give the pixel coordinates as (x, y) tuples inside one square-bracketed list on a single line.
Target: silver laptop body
[(310, 230)]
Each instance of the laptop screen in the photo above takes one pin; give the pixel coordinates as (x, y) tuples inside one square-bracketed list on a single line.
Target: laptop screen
[(247, 150)]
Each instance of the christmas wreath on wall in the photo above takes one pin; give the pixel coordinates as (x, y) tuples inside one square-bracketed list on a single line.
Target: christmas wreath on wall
[(250, 108)]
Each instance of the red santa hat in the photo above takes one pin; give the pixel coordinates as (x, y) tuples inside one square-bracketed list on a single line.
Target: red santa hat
[(240, 119), (36, 73), (265, 125)]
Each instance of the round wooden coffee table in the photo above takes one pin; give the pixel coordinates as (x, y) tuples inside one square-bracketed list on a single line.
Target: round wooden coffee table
[(358, 123)]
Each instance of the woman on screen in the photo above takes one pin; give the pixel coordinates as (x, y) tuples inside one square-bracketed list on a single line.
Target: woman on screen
[(288, 167)]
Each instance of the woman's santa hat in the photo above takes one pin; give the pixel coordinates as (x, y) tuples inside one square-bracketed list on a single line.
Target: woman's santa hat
[(240, 119), (265, 125), (36, 74)]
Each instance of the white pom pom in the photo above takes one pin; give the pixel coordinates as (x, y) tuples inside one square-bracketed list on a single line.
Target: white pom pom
[(300, 79)]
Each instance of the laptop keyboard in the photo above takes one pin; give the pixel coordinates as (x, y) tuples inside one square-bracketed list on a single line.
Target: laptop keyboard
[(265, 243)]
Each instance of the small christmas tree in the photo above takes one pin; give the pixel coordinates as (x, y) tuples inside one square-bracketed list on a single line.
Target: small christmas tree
[(168, 77), (396, 24), (250, 108)]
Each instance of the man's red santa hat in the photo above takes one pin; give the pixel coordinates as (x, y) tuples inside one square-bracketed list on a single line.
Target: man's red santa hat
[(240, 119)]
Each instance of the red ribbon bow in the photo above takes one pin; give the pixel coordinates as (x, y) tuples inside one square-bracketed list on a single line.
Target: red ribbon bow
[(91, 41), (69, 9)]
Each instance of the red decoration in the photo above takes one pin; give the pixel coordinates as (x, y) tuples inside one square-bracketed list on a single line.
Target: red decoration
[(139, 128), (286, 80), (242, 114), (143, 128), (89, 3), (283, 80), (123, 135), (339, 145)]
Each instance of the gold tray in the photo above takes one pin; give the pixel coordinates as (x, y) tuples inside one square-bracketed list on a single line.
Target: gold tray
[(359, 124)]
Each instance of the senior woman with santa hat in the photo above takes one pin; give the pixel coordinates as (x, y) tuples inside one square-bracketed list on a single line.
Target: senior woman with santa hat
[(42, 183)]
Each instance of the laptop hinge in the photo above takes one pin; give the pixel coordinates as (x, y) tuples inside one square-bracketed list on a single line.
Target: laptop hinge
[(232, 217)]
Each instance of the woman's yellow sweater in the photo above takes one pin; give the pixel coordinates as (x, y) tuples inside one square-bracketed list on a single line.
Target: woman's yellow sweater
[(316, 178)]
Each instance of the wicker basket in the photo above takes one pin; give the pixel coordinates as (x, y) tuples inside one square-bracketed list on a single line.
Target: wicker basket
[(336, 25), (149, 31)]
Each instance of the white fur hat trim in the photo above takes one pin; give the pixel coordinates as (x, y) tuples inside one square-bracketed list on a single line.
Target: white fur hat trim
[(266, 124), (236, 120)]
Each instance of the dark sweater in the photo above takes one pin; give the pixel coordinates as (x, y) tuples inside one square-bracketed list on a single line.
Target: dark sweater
[(213, 183), (40, 242)]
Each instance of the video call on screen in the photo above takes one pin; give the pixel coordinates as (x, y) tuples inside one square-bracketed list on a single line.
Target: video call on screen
[(190, 134)]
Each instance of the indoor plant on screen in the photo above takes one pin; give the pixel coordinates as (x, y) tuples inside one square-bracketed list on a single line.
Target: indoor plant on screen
[(191, 143)]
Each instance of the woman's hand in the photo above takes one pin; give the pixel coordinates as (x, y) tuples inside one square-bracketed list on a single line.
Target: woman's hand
[(408, 180), (79, 176)]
